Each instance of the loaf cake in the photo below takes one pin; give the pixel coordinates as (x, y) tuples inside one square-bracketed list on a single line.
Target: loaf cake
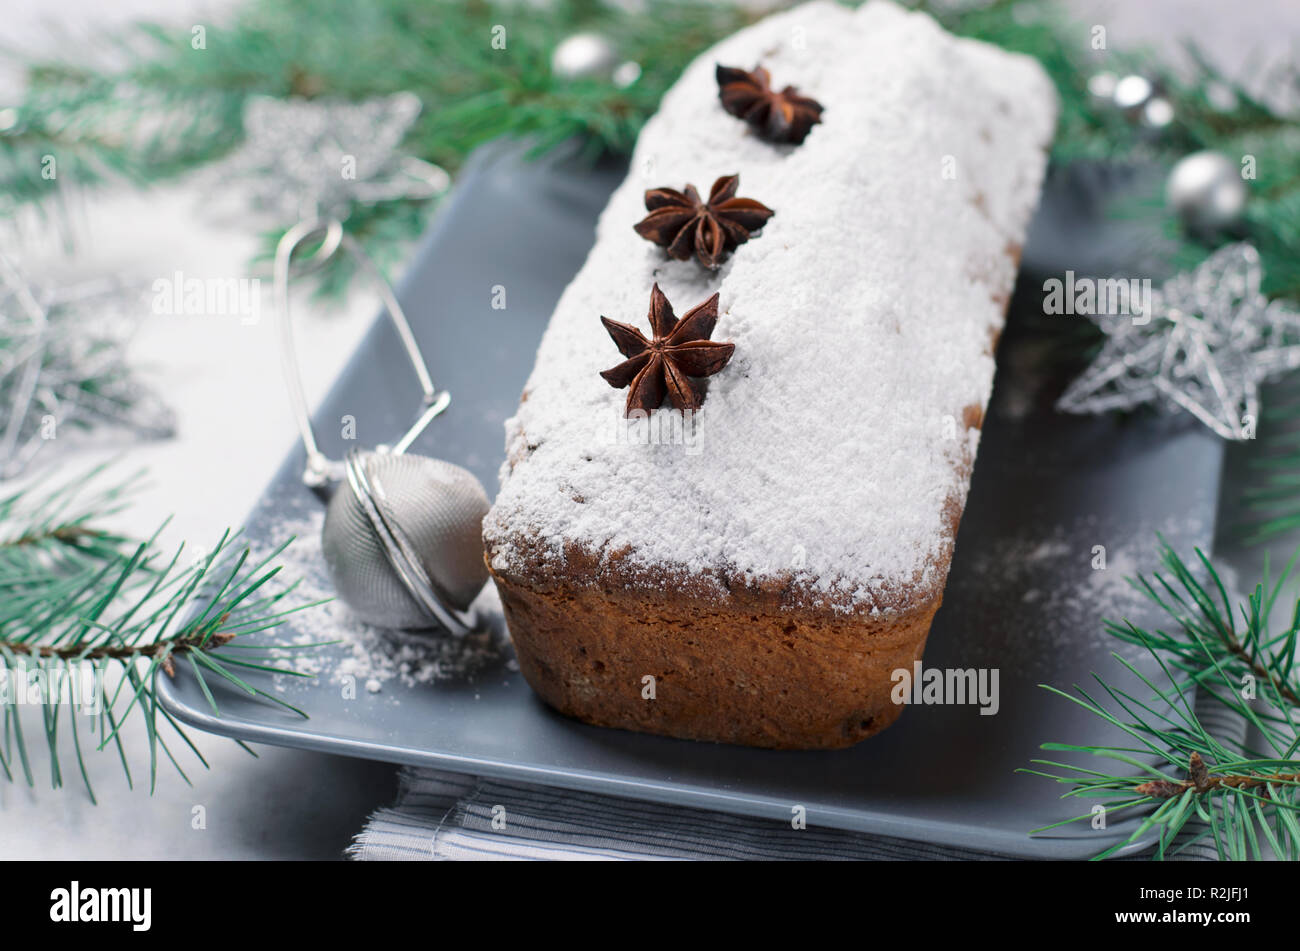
[(755, 571)]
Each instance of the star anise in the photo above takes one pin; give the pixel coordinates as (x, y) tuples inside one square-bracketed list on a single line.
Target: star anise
[(665, 365), (783, 116), (682, 223)]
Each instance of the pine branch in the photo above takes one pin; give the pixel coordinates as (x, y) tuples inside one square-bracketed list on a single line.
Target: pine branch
[(1176, 772), (1206, 645), (173, 107), (1271, 493), (81, 602), (177, 646), (1200, 780)]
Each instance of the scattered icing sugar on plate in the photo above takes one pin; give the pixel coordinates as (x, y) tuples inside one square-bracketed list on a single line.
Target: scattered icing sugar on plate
[(1039, 598), (365, 656)]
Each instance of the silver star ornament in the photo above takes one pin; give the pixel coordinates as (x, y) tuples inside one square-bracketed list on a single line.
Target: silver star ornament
[(1206, 342), (303, 158)]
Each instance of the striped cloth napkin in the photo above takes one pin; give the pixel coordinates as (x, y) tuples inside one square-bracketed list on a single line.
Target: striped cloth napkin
[(447, 816), (440, 815)]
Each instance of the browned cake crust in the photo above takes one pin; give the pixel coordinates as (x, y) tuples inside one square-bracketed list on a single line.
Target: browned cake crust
[(744, 671), (727, 648), (771, 666)]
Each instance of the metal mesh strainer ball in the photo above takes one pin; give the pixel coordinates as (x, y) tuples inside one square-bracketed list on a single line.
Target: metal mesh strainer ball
[(402, 535), (400, 514)]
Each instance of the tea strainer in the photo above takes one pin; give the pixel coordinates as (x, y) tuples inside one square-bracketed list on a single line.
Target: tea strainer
[(402, 536)]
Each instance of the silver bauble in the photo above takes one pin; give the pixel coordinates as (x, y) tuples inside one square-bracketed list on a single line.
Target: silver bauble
[(1157, 113), (626, 74), (1132, 92), (1206, 190), (438, 507), (1101, 87), (585, 56)]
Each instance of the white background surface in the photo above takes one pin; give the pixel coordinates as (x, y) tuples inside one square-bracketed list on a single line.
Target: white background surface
[(221, 377)]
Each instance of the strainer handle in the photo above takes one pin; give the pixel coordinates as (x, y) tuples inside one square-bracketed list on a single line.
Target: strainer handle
[(330, 231)]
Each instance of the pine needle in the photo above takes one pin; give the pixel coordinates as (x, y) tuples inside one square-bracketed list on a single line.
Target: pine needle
[(1180, 771), (89, 604)]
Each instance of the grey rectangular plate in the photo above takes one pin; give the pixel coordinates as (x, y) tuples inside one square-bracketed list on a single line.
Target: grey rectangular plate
[(1050, 493)]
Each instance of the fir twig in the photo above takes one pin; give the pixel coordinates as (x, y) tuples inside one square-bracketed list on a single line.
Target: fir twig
[(172, 107), (1178, 771), (161, 107), (80, 601), (1200, 781), (1271, 494)]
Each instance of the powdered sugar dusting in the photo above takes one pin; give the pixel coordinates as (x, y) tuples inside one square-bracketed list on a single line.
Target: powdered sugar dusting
[(837, 438), (366, 656), (1035, 601)]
